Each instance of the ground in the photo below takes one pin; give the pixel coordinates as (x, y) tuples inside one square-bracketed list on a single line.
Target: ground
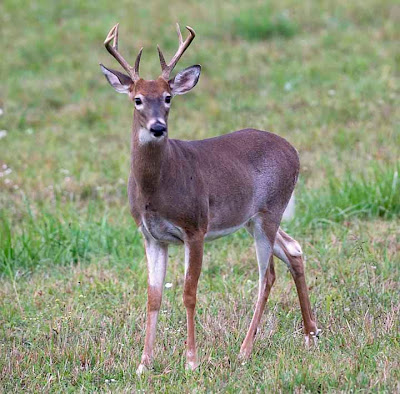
[(73, 277)]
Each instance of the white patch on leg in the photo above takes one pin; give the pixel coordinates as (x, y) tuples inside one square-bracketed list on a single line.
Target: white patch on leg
[(156, 262), (283, 246), (294, 249), (187, 256), (263, 252), (292, 246)]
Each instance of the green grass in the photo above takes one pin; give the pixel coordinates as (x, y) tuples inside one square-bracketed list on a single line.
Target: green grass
[(375, 193), (72, 265), (77, 326), (256, 23), (48, 238), (65, 234)]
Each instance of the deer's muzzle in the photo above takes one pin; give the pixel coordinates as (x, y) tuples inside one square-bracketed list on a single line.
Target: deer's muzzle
[(158, 129)]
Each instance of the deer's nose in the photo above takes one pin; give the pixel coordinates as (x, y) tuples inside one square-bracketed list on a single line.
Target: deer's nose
[(158, 129)]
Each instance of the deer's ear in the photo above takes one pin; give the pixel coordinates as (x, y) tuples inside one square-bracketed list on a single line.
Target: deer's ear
[(185, 80), (119, 81)]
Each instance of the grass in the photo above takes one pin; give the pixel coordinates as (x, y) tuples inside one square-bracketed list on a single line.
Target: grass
[(256, 23), (65, 234), (79, 326), (376, 193), (72, 267)]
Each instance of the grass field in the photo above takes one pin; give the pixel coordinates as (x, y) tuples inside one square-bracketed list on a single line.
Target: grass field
[(72, 272)]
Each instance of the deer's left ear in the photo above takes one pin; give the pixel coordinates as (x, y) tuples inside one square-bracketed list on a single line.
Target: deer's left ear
[(185, 80), (119, 81)]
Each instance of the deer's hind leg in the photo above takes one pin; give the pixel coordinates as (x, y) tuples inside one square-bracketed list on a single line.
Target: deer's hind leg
[(264, 239), (289, 251)]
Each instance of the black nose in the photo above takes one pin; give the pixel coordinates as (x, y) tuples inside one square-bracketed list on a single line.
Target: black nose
[(158, 129)]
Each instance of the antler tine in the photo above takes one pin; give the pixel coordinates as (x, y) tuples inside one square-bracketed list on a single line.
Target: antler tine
[(167, 68), (137, 62), (113, 50), (162, 59), (115, 41), (178, 30)]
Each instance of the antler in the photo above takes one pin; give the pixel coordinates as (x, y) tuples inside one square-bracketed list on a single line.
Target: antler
[(113, 50), (167, 68)]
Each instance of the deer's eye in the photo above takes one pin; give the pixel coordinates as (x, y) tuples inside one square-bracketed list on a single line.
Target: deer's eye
[(168, 99), (138, 101)]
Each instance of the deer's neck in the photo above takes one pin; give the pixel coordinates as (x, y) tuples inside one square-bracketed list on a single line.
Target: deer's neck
[(148, 160)]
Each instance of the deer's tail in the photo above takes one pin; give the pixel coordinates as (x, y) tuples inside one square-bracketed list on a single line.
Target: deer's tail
[(290, 209)]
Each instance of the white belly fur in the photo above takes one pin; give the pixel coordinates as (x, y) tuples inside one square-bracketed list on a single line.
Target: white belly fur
[(214, 234)]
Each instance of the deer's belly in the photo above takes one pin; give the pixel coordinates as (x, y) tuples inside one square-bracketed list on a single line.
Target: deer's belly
[(218, 233)]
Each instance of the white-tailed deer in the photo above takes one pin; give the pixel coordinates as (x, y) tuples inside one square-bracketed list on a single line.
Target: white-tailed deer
[(188, 192)]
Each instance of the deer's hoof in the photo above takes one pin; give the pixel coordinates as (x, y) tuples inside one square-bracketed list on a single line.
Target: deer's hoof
[(191, 365), (312, 338), (244, 354)]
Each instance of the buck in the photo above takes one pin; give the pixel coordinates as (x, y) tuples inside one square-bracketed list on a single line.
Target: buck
[(189, 192)]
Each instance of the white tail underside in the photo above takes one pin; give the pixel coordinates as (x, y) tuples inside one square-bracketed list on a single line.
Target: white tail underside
[(290, 209)]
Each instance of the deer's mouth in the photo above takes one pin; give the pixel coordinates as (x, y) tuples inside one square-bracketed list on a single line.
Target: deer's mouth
[(157, 133), (146, 136)]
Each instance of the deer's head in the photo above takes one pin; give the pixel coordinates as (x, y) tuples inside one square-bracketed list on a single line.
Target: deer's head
[(152, 98)]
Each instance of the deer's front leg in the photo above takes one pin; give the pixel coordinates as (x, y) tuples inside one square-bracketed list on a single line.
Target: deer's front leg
[(193, 262), (157, 255)]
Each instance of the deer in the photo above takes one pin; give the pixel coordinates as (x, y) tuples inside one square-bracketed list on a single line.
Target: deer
[(190, 192)]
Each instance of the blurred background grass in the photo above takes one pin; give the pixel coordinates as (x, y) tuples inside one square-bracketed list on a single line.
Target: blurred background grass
[(322, 74)]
